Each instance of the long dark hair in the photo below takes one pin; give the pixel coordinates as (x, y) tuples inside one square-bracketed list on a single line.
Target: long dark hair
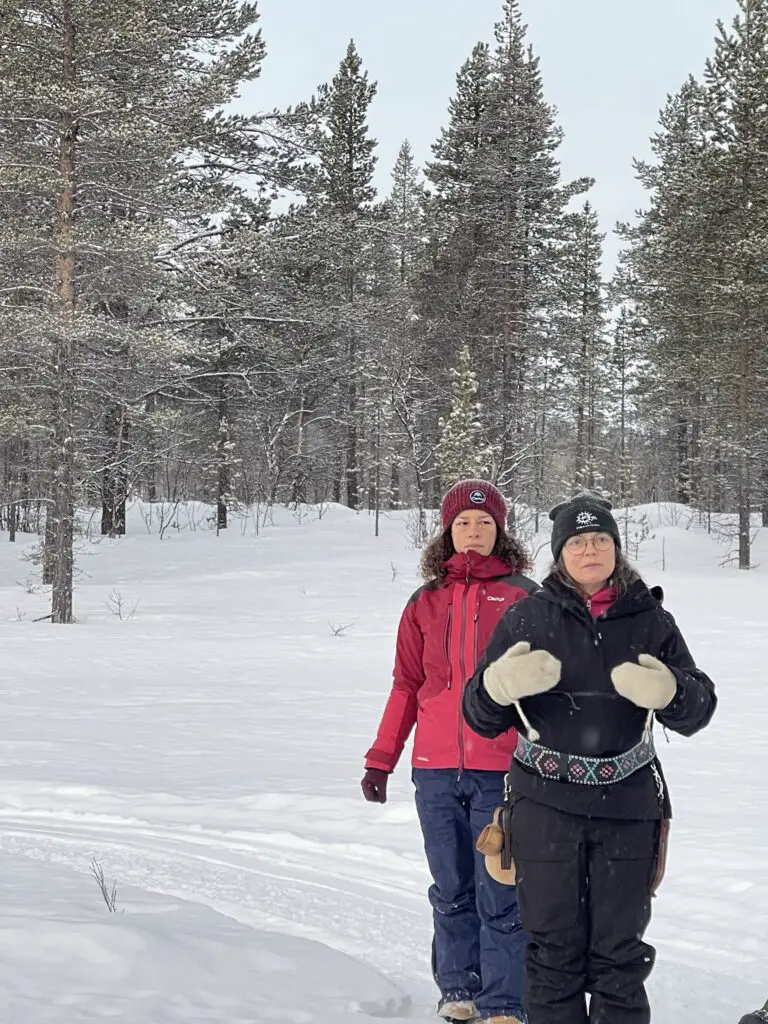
[(508, 549), (622, 577)]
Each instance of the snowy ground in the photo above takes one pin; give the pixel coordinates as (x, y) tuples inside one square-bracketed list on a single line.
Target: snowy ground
[(206, 750)]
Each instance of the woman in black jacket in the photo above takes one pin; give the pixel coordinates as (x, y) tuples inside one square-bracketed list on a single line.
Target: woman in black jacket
[(593, 656)]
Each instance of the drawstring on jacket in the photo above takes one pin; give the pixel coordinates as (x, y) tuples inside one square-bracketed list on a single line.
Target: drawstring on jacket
[(532, 734)]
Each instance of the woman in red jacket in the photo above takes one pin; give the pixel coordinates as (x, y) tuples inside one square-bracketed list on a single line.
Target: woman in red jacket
[(473, 574)]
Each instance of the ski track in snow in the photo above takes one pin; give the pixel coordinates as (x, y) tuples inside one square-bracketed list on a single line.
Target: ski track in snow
[(271, 880), (211, 750), (287, 882)]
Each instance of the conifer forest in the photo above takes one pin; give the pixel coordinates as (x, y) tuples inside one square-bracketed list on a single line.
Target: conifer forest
[(198, 304)]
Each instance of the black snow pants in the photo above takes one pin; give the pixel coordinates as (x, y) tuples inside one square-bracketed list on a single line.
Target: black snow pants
[(583, 887)]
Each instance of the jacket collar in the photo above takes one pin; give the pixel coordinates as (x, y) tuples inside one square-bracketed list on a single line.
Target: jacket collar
[(598, 603), (638, 598), (473, 567)]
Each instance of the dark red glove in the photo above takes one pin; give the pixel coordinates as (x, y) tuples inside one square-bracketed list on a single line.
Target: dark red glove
[(375, 785)]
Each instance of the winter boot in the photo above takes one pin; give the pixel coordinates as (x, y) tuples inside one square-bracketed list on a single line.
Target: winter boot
[(456, 1010), (757, 1017)]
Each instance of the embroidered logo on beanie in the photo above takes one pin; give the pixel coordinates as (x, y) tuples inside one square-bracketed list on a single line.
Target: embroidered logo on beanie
[(585, 519), (477, 497)]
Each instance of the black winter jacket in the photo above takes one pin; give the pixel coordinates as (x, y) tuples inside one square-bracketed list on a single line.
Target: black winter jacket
[(584, 714)]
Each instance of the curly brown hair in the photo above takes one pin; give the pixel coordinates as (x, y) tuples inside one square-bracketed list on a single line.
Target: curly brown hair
[(438, 551), (622, 578)]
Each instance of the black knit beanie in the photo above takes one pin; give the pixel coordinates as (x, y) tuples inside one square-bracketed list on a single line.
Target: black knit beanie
[(586, 513)]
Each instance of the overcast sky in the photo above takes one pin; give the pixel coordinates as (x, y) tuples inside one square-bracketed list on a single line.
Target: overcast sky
[(607, 66)]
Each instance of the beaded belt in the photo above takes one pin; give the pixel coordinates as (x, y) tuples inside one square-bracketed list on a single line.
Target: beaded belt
[(589, 771)]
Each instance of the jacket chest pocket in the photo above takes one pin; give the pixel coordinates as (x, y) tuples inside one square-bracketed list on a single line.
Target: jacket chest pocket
[(437, 659)]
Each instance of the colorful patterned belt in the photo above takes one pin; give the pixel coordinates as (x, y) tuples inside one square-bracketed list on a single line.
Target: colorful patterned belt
[(588, 771)]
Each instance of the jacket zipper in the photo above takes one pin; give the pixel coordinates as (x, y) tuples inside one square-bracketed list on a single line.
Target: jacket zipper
[(462, 666), (448, 659), (598, 636), (474, 636), (479, 600)]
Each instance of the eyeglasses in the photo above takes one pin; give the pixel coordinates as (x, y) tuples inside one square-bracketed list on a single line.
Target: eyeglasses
[(600, 541)]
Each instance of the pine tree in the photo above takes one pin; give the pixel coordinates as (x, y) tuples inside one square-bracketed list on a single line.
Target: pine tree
[(736, 79), (516, 182), (405, 211), (103, 160), (455, 150), (624, 360), (453, 225), (320, 302), (496, 230), (697, 259), (461, 453), (581, 339), (341, 193), (672, 261)]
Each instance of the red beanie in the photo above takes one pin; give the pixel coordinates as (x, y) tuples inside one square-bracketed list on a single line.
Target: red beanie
[(478, 494)]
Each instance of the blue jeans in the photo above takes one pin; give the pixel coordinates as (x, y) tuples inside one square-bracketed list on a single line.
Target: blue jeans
[(478, 951)]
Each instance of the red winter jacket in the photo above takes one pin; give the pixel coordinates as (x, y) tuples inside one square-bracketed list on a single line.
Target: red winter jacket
[(441, 636)]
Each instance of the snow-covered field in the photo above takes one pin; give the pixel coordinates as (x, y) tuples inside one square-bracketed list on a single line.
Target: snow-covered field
[(205, 746)]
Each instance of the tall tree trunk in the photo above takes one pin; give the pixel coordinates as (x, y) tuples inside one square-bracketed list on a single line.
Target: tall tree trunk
[(745, 461), (64, 347), (49, 543), (114, 478), (541, 426), (222, 456), (299, 484), (24, 516), (352, 469), (622, 366), (683, 466), (694, 454), (394, 486), (591, 450), (337, 484), (421, 522), (352, 475), (376, 489), (152, 467), (11, 468), (580, 472), (13, 513)]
